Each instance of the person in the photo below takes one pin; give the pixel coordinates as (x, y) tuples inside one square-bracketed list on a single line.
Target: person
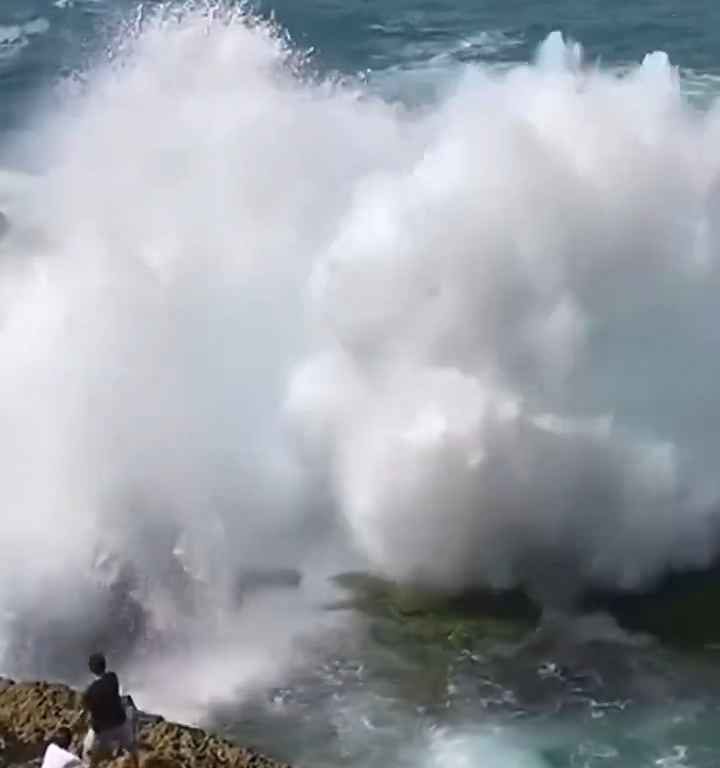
[(110, 726), (58, 754)]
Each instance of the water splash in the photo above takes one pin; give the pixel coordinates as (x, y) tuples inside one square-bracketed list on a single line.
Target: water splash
[(475, 339)]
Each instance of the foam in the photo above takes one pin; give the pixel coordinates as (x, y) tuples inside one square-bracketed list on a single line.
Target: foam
[(470, 343)]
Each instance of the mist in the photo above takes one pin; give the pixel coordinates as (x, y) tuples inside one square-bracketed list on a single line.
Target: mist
[(252, 317)]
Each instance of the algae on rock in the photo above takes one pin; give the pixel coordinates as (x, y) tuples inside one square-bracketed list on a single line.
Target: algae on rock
[(406, 614)]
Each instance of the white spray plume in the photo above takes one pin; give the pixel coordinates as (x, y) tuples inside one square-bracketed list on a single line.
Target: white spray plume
[(520, 330), (484, 332)]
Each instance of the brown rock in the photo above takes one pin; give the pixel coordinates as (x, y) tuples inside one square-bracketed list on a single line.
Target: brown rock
[(30, 714)]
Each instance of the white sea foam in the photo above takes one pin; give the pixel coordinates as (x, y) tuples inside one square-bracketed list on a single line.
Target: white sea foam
[(476, 342)]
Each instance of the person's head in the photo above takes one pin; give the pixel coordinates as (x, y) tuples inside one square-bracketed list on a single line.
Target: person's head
[(63, 738), (97, 665)]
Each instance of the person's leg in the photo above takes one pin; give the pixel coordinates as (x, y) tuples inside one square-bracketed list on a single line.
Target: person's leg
[(128, 743), (96, 747), (134, 757), (89, 749)]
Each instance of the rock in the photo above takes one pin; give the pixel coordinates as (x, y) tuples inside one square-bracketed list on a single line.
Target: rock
[(376, 595), (158, 761), (51, 644), (425, 624), (680, 608), (30, 714), (251, 580)]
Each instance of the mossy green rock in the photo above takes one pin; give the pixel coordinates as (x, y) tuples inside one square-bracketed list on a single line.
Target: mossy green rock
[(680, 609), (407, 613)]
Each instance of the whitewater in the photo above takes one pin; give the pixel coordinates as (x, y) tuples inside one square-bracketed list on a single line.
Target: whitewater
[(255, 313)]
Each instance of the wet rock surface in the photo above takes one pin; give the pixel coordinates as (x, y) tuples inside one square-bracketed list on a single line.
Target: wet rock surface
[(31, 713)]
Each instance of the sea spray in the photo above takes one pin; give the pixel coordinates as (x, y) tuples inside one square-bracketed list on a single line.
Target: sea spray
[(271, 317)]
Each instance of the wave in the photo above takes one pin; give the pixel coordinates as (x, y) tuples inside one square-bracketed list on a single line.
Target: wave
[(252, 317)]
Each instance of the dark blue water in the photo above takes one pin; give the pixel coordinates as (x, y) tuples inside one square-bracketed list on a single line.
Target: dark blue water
[(42, 41)]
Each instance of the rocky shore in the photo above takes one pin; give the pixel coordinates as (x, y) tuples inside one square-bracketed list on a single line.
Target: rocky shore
[(31, 713)]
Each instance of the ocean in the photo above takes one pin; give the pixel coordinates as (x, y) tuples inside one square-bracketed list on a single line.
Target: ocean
[(421, 291), (46, 41)]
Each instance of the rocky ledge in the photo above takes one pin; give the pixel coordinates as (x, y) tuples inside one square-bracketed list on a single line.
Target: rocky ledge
[(31, 713)]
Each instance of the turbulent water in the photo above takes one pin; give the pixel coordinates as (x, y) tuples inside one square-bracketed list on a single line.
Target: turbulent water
[(422, 289)]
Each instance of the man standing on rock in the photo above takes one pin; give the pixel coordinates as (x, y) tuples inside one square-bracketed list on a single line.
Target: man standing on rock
[(110, 725)]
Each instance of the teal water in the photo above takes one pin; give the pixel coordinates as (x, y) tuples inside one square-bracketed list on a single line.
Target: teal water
[(42, 41), (139, 174)]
